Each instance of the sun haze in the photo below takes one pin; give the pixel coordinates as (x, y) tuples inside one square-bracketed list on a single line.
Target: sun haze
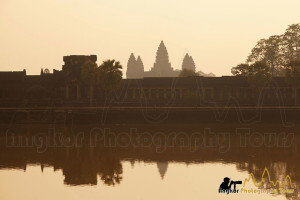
[(218, 34)]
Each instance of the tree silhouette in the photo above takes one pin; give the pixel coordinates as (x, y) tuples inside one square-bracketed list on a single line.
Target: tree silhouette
[(110, 171), (291, 40), (257, 73), (277, 52), (270, 51), (110, 75), (240, 70)]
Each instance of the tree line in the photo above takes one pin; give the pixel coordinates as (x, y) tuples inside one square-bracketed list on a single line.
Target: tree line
[(278, 55)]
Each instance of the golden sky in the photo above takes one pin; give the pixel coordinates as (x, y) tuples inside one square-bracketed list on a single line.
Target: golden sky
[(219, 34)]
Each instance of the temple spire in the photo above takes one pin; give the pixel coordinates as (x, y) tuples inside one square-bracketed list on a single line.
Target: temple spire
[(131, 66), (135, 67), (162, 66), (140, 67), (188, 63)]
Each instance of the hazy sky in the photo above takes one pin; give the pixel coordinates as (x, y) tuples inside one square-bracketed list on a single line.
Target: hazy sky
[(219, 34)]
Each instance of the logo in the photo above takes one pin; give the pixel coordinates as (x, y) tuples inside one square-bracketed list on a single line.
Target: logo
[(226, 186), (265, 185), (275, 187)]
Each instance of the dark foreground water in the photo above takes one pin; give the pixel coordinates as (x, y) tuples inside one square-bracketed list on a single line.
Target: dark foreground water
[(170, 161)]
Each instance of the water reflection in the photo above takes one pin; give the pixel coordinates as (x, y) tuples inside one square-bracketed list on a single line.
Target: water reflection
[(86, 164)]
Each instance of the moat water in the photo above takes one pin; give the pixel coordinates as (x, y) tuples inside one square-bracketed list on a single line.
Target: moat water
[(170, 161)]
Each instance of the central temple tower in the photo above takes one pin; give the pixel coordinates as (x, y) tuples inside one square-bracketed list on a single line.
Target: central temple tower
[(162, 66)]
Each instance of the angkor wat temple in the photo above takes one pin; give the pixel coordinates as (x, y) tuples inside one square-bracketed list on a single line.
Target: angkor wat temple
[(161, 68), (62, 88)]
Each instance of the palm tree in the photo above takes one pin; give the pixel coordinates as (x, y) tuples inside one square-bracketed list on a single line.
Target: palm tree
[(89, 76), (110, 75)]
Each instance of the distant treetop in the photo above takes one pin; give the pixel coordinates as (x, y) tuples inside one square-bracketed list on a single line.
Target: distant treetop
[(276, 52)]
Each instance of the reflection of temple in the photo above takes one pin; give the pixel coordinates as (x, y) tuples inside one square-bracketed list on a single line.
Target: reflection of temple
[(162, 168), (82, 165)]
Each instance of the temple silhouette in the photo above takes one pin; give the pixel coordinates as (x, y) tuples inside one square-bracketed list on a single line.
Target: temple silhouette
[(160, 86), (162, 66)]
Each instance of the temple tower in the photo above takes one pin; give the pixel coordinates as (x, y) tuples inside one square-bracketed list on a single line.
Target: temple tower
[(162, 66), (131, 67), (140, 67), (188, 63), (135, 67)]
